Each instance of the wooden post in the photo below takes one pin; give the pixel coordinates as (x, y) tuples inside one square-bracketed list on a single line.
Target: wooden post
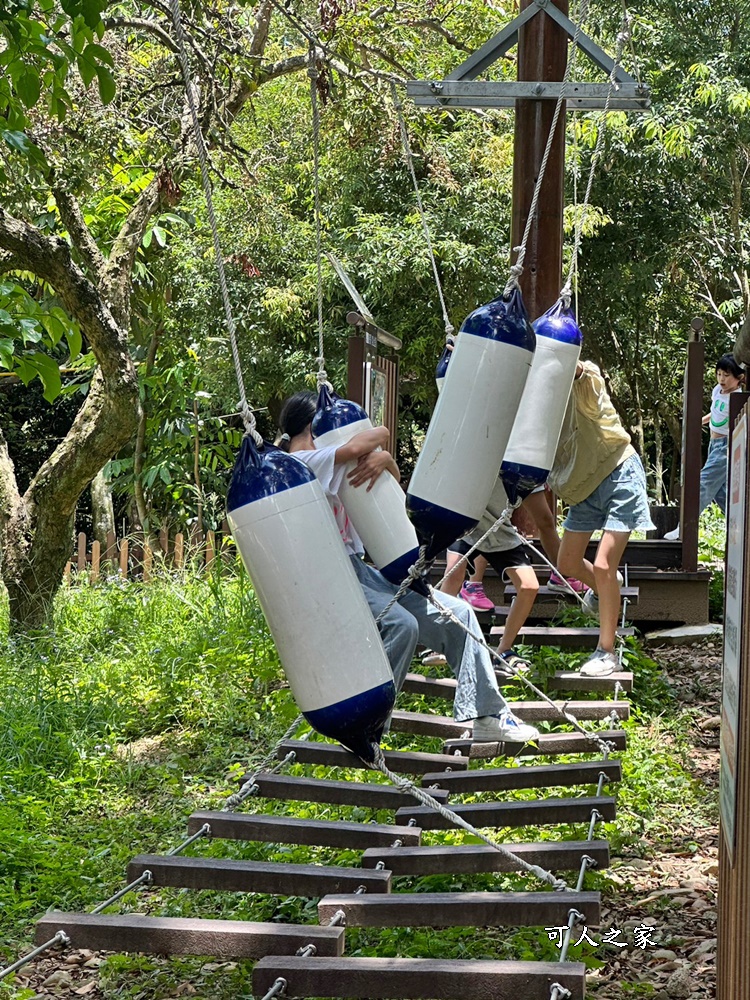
[(81, 560), (95, 559), (124, 558), (542, 55), (164, 541), (210, 548), (692, 415), (179, 550), (148, 561), (110, 554), (733, 958)]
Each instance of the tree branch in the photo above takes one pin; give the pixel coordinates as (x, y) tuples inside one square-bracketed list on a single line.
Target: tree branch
[(80, 234), (143, 24), (428, 22), (9, 495)]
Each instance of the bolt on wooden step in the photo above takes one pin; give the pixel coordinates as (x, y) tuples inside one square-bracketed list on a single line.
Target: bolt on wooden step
[(459, 859), (548, 743), (187, 935), (487, 779), (565, 638), (462, 909), (539, 812), (273, 878), (290, 830), (571, 680), (345, 793), (418, 978), (399, 761)]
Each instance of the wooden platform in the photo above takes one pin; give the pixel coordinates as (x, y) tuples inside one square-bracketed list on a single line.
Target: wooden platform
[(548, 743), (564, 637), (465, 858)]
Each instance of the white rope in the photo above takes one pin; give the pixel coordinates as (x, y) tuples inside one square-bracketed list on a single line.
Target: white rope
[(312, 72), (517, 269), (449, 328), (426, 799), (416, 572), (248, 417), (247, 787)]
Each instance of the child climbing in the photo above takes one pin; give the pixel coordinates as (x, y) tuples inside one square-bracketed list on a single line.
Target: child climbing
[(413, 618), (598, 473), (729, 378)]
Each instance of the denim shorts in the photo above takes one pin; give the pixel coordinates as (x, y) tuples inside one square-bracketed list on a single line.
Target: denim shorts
[(617, 504)]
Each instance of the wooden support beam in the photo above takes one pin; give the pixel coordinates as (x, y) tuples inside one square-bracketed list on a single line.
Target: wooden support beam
[(485, 779), (348, 793), (423, 724), (462, 909), (548, 743), (565, 638), (566, 680), (289, 830), (538, 812), (400, 761), (545, 594), (418, 978), (274, 878), (187, 935), (562, 855)]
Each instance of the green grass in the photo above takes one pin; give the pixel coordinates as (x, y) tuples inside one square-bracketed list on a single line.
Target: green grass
[(146, 702)]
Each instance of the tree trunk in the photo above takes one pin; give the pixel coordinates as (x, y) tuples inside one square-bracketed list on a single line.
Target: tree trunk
[(658, 458), (742, 343), (103, 514)]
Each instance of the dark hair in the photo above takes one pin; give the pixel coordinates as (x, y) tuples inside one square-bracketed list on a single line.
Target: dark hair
[(296, 414), (727, 363)]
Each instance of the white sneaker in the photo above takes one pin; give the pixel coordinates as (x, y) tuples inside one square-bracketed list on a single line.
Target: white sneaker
[(591, 600), (503, 728), (673, 535), (601, 664), (432, 659)]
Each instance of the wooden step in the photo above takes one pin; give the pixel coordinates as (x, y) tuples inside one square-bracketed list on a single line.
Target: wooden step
[(571, 680), (290, 830), (273, 878), (536, 812), (565, 638), (399, 761), (545, 594), (423, 724), (462, 909), (486, 779), (348, 793), (560, 855), (548, 743), (188, 935), (418, 978)]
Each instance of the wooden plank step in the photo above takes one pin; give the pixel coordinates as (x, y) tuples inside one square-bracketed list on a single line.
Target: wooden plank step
[(350, 793), (418, 978), (458, 859), (400, 761), (488, 779), (536, 812), (571, 680), (274, 878), (290, 830), (545, 594), (461, 909), (188, 935), (548, 743), (425, 724), (565, 638)]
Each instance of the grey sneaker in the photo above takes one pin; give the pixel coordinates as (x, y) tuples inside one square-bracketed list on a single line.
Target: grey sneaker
[(503, 728), (673, 535), (600, 664), (591, 604)]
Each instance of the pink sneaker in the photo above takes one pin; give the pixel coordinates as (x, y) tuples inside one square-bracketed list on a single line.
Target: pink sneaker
[(557, 583), (473, 594)]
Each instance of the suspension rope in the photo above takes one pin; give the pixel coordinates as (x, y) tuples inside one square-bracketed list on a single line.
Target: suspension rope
[(517, 269), (312, 72), (398, 105), (248, 785), (248, 417)]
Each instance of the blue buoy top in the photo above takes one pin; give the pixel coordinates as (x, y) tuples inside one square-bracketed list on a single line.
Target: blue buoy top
[(262, 472), (334, 412), (559, 323), (443, 360), (503, 319)]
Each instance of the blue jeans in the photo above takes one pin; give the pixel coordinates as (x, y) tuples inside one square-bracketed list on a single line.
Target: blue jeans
[(714, 475), (413, 619)]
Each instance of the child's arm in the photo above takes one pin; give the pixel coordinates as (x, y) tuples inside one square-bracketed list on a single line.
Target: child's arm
[(706, 419), (362, 444), (369, 467)]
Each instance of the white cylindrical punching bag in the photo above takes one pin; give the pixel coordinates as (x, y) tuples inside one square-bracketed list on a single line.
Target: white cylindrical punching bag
[(442, 366), (536, 430), (324, 631), (469, 430), (379, 514)]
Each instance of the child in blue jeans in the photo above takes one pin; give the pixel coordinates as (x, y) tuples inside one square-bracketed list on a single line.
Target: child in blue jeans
[(598, 473)]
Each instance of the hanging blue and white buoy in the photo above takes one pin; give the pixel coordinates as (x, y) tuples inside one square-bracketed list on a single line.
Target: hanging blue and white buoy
[(469, 431), (536, 430), (379, 514), (442, 366), (324, 631)]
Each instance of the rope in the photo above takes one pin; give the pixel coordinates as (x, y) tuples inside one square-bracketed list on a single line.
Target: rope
[(248, 417), (248, 786), (623, 35), (426, 799), (517, 269), (312, 72), (449, 328), (416, 572)]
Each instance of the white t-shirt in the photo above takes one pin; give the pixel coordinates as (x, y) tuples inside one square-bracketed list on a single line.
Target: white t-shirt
[(719, 422), (322, 463)]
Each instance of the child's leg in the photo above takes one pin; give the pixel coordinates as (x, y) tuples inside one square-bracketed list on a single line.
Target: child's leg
[(571, 559), (536, 504), (524, 580), (480, 567), (454, 574), (714, 473), (608, 555)]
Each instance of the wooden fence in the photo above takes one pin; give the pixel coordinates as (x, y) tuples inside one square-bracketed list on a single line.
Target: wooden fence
[(133, 558)]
